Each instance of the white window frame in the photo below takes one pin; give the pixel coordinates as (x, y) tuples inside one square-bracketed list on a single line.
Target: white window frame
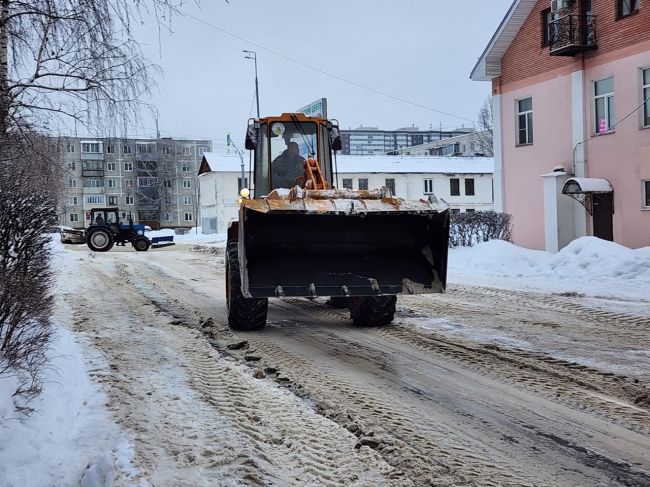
[(187, 184), (74, 200), (74, 217), (111, 183), (111, 166), (347, 183), (72, 183), (473, 180), (428, 186), (128, 183), (110, 149), (186, 167), (645, 94), (188, 217), (127, 149), (112, 201), (187, 200), (203, 149), (70, 148), (167, 200), (367, 183), (128, 167), (72, 166), (165, 149), (605, 96), (528, 114), (91, 147), (129, 200), (168, 216), (645, 194), (95, 199)]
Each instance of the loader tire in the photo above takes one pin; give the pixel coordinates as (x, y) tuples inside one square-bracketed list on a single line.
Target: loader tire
[(372, 310), (100, 240), (244, 314)]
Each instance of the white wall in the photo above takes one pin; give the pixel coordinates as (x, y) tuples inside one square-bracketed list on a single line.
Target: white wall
[(218, 192)]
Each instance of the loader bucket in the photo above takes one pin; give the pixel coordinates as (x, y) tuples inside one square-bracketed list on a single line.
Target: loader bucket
[(343, 247)]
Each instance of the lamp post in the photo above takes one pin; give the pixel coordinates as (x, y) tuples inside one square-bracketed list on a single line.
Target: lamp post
[(253, 55)]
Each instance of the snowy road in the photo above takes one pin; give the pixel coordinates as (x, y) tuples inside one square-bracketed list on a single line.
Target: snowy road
[(475, 387)]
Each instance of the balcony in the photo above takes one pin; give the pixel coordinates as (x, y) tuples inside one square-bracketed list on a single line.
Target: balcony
[(93, 169), (571, 35)]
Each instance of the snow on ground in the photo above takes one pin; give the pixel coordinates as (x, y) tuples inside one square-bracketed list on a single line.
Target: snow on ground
[(588, 265), (69, 439)]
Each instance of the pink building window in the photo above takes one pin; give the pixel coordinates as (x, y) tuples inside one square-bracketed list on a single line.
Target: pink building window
[(604, 105), (525, 121), (646, 97)]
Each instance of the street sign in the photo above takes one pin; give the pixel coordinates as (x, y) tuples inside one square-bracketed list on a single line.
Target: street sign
[(317, 108)]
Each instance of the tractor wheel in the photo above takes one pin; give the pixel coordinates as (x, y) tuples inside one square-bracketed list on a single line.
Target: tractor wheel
[(100, 240), (337, 302), (372, 310), (141, 244), (244, 314)]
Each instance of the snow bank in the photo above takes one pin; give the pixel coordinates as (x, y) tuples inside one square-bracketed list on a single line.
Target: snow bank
[(69, 439), (588, 265), (193, 237)]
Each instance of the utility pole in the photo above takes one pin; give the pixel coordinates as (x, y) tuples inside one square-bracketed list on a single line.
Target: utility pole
[(253, 55), (241, 158)]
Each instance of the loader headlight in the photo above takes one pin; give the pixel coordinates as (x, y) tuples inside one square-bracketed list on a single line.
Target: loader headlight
[(239, 200), (245, 193)]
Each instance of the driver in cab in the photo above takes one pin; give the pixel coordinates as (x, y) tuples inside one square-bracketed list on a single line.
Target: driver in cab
[(288, 166)]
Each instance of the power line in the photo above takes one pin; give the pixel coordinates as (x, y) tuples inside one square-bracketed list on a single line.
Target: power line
[(321, 71)]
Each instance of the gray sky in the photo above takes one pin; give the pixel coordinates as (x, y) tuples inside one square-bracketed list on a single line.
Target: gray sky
[(419, 50)]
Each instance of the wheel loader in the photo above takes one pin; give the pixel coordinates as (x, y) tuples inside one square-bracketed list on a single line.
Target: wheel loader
[(300, 235)]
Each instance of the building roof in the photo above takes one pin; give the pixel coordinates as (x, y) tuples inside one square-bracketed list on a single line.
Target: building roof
[(488, 66), (376, 164)]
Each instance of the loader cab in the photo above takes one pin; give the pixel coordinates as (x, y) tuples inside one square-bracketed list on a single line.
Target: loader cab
[(282, 144)]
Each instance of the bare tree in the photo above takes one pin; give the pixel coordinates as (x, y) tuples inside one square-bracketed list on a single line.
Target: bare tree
[(483, 138), (60, 61)]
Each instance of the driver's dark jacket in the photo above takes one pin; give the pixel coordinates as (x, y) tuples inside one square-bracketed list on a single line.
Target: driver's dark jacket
[(285, 170)]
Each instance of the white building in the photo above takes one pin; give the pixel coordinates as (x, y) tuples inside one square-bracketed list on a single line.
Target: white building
[(463, 182)]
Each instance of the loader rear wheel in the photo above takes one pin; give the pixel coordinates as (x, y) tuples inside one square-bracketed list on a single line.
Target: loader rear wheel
[(100, 240), (372, 310), (244, 314)]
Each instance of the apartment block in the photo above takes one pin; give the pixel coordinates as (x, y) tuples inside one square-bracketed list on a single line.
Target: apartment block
[(155, 180), (368, 141)]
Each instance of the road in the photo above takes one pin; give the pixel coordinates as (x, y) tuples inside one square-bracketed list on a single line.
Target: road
[(478, 386)]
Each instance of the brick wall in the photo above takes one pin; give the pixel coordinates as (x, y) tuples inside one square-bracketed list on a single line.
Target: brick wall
[(527, 58)]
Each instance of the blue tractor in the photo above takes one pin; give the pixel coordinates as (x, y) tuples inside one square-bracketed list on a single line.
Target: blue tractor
[(105, 230)]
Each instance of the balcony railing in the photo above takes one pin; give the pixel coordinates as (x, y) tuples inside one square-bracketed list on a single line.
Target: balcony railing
[(95, 168), (572, 34)]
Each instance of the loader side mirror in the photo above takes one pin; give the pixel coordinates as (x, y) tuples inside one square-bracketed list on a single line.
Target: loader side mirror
[(251, 137), (335, 138)]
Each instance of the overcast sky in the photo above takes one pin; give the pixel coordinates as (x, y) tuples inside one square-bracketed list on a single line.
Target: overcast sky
[(419, 50)]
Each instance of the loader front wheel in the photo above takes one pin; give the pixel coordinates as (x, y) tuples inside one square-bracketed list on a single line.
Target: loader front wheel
[(372, 310), (244, 314)]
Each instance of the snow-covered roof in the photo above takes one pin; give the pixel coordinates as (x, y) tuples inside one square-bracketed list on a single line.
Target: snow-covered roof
[(378, 164), (587, 185), (489, 64)]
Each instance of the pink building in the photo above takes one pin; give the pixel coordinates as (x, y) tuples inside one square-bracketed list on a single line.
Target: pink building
[(571, 87)]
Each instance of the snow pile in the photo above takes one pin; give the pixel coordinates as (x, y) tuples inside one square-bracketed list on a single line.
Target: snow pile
[(193, 237), (69, 439), (588, 265)]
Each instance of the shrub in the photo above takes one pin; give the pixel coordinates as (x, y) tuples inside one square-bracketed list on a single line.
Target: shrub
[(468, 229), (25, 281)]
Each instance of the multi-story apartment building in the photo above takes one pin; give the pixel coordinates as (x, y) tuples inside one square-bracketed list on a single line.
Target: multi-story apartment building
[(468, 145), (364, 141), (571, 91), (153, 179)]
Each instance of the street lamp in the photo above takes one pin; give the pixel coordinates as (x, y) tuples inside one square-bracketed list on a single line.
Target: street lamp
[(253, 55)]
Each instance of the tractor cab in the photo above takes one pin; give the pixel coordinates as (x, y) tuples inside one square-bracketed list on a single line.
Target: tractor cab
[(105, 230)]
